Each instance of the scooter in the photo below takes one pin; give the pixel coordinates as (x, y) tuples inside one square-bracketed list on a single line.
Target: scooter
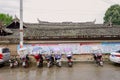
[(25, 63), (98, 59), (39, 60), (39, 63), (13, 63), (50, 62), (99, 62), (58, 63), (70, 63)]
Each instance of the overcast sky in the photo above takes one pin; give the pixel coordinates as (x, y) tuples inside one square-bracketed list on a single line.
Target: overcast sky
[(58, 10)]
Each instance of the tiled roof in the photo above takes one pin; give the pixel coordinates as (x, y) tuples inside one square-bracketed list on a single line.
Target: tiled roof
[(72, 31), (67, 30)]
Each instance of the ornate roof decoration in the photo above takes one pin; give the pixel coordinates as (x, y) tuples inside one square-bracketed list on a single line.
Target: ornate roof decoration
[(41, 22), (15, 24), (16, 19)]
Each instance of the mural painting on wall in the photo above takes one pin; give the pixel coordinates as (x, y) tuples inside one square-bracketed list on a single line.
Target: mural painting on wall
[(75, 48)]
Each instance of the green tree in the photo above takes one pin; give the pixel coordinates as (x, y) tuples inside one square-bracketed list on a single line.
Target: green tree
[(113, 15), (6, 19)]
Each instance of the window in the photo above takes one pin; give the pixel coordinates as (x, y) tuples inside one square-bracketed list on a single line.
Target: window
[(118, 51), (5, 50)]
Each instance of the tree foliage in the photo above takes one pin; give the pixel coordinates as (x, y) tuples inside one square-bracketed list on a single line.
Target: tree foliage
[(113, 15), (6, 19)]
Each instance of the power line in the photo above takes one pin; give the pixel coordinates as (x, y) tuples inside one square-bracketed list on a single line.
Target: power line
[(111, 1)]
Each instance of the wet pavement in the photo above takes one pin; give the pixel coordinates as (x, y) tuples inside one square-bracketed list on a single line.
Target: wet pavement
[(79, 71)]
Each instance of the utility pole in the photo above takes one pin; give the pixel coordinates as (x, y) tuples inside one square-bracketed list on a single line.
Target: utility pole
[(110, 22), (21, 23)]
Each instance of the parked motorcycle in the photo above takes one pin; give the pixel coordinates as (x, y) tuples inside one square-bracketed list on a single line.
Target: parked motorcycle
[(25, 61), (39, 64), (69, 57), (13, 63), (97, 55), (58, 63), (39, 60), (98, 59), (99, 62), (58, 59), (49, 64), (70, 63), (50, 61)]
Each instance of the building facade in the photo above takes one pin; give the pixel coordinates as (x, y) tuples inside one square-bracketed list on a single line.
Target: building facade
[(61, 32)]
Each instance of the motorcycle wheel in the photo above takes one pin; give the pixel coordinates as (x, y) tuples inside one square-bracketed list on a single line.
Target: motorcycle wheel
[(101, 63), (11, 65), (58, 63), (25, 64), (70, 64), (48, 64), (38, 64)]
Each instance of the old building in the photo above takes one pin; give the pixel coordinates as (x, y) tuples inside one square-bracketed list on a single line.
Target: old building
[(62, 31)]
